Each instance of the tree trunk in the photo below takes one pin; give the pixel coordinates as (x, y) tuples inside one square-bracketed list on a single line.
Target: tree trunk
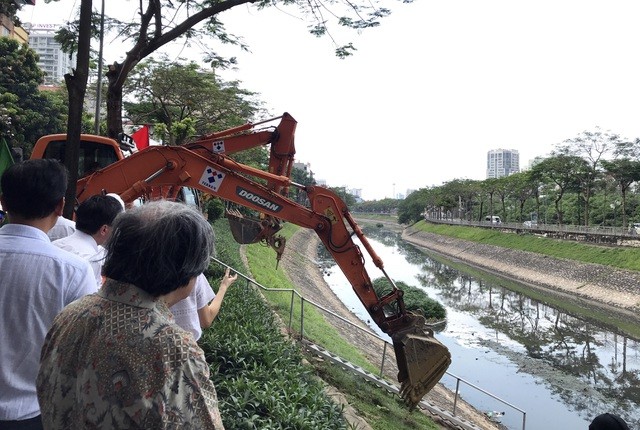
[(76, 86), (114, 101)]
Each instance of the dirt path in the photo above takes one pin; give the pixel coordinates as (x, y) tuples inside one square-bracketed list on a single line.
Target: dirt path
[(300, 263)]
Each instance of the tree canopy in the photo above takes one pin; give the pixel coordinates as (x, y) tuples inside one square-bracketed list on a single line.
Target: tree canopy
[(163, 21), (186, 100), (27, 112)]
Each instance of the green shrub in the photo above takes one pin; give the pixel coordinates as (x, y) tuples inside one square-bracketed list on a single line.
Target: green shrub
[(415, 300), (258, 374)]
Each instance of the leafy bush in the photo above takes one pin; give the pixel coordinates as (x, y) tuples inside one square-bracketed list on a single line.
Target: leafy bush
[(258, 374), (415, 300)]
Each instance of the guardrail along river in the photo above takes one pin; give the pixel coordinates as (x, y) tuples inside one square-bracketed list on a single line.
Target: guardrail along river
[(562, 369)]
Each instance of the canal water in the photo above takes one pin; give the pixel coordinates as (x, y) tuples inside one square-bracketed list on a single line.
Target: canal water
[(561, 369)]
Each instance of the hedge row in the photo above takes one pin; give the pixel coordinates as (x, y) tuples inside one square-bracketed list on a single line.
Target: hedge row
[(258, 373)]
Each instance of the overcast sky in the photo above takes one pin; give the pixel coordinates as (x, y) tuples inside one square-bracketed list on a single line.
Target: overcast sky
[(437, 85)]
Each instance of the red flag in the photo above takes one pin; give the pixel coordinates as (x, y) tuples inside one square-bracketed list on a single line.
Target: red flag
[(141, 137)]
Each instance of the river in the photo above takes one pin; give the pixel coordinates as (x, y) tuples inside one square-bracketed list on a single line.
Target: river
[(561, 369)]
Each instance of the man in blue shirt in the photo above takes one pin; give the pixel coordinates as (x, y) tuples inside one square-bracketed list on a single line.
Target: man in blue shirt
[(37, 280)]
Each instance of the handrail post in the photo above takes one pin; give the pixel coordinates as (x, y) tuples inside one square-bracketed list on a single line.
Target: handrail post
[(291, 310), (455, 397), (301, 318), (384, 354)]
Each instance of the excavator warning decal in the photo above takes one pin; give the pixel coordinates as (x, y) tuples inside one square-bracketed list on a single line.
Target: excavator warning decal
[(218, 146), (331, 215), (211, 178)]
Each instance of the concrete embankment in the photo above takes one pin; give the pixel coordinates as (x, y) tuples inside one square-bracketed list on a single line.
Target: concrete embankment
[(608, 290)]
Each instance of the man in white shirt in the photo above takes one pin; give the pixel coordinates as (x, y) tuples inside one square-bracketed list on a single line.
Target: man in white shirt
[(37, 280), (201, 307), (94, 217), (63, 228)]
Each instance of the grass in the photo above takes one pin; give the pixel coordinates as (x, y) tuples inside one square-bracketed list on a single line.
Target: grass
[(620, 257), (262, 264), (380, 410)]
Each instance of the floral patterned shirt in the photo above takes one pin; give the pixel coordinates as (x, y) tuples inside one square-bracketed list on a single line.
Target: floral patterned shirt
[(116, 359)]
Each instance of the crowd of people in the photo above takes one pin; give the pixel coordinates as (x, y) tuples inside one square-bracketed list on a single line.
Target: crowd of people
[(99, 325), (99, 319)]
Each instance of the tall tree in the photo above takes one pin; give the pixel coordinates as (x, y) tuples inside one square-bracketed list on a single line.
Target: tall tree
[(563, 172), (593, 146), (76, 82), (163, 21), (186, 99), (625, 171), (29, 113)]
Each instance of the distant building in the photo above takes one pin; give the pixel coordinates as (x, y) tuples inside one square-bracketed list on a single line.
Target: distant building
[(7, 29), (305, 167), (53, 61), (355, 192), (502, 162)]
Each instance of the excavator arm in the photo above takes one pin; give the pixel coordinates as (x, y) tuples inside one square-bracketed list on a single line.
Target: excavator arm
[(422, 360)]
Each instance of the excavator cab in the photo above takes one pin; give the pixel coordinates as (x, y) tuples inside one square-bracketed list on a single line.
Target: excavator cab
[(95, 152)]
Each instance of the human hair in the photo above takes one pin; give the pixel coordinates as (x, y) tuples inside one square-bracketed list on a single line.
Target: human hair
[(608, 421), (33, 188), (95, 212), (158, 247)]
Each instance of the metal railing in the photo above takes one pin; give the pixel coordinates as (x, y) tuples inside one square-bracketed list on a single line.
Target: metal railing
[(386, 343), (629, 233)]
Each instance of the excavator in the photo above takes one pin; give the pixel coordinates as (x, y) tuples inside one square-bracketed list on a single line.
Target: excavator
[(206, 164)]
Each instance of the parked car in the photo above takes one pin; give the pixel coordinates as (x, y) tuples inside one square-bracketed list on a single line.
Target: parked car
[(530, 224), (493, 219), (634, 228)]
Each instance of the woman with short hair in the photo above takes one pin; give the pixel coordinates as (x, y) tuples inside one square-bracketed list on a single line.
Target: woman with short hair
[(116, 359)]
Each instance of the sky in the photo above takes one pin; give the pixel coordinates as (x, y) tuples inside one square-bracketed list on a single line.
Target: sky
[(435, 87)]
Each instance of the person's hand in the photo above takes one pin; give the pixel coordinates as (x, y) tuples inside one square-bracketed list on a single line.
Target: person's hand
[(228, 279)]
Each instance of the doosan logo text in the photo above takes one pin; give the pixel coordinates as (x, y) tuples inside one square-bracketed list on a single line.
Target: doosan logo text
[(260, 201)]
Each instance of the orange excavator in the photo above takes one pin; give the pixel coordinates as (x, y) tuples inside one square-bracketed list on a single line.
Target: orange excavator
[(206, 164)]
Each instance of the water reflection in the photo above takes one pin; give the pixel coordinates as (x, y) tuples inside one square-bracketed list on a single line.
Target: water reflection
[(563, 369)]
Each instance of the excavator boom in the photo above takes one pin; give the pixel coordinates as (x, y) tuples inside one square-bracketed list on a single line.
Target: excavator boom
[(158, 171)]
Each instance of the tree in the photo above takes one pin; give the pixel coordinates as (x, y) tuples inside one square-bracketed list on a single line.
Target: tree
[(563, 172), (625, 171), (186, 100), (593, 146), (303, 177), (10, 8), (76, 86), (164, 21), (30, 112)]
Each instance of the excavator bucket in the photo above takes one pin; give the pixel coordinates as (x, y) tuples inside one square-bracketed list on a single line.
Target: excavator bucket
[(422, 360), (245, 230)]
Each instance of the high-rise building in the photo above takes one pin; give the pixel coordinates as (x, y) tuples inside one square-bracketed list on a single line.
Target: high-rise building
[(53, 61), (502, 162)]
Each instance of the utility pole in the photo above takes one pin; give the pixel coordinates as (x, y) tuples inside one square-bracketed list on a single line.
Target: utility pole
[(99, 84)]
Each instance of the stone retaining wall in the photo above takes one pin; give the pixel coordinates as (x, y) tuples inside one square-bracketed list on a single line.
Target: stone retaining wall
[(592, 285)]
